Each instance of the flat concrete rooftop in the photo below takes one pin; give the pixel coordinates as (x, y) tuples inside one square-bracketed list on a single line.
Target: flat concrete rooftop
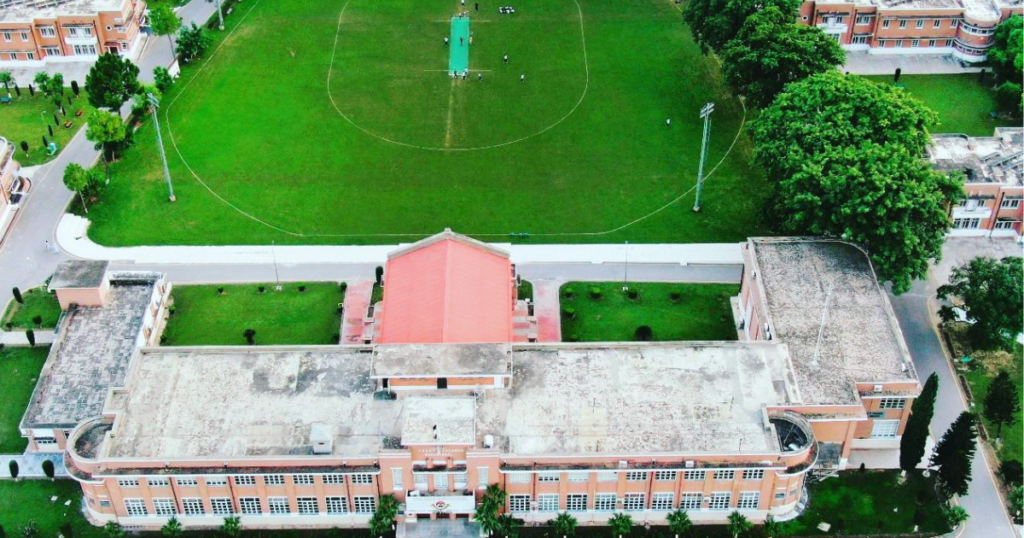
[(97, 347), (441, 360), (77, 274), (29, 10), (984, 159), (861, 341), (628, 399), (236, 402)]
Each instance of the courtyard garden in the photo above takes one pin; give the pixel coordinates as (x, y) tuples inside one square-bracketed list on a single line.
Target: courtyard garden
[(28, 118), (963, 102), (369, 140), (20, 367), (222, 315), (38, 310), (603, 312)]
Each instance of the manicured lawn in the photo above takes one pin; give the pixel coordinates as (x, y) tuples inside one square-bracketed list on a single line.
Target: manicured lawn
[(962, 102), (38, 302), (597, 153), (701, 313), (863, 503), (20, 367), (27, 118), (204, 317), (29, 500)]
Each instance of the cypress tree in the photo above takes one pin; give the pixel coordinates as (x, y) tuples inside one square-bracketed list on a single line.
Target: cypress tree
[(954, 454), (916, 433), (1001, 402)]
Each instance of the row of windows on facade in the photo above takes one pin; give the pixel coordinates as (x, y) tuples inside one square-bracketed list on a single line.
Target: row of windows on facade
[(79, 50), (635, 476), (863, 20), (974, 224), (635, 502), (974, 203), (250, 506), (249, 480), (50, 31)]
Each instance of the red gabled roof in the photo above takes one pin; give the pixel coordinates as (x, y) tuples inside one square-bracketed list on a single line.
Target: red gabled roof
[(447, 289)]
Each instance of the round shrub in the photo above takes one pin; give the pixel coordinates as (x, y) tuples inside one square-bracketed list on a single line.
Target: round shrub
[(633, 294), (343, 286), (569, 312), (675, 296), (595, 292), (643, 333), (569, 293)]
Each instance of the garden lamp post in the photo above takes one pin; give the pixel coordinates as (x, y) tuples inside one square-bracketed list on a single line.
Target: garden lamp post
[(705, 114), (155, 103), (220, 14)]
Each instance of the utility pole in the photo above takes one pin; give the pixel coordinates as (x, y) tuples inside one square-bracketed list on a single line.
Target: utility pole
[(220, 15), (625, 270), (155, 103), (705, 114), (277, 277)]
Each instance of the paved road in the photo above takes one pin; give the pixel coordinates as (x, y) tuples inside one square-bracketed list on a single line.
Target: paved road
[(157, 51), (651, 272), (218, 273), (988, 519)]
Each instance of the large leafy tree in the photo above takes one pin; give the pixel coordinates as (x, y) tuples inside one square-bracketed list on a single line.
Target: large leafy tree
[(1007, 52), (915, 435), (953, 455), (491, 503), (192, 42), (111, 81), (164, 21), (771, 51), (992, 294), (715, 22), (1001, 401), (107, 130), (76, 180), (843, 155)]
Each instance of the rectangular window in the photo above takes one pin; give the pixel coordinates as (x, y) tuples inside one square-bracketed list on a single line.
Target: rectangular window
[(397, 479), (749, 500), (915, 43), (966, 224), (519, 503), (52, 51), (885, 23), (7, 37), (892, 403), (885, 429), (862, 20), (548, 477), (607, 476), (579, 476), (690, 501), (278, 505), (1009, 204), (307, 505), (461, 481), (193, 506), (780, 496), (85, 50), (693, 476), (47, 31), (1004, 224), (250, 506), (336, 505), (931, 43), (519, 478), (576, 502), (30, 56), (920, 24), (221, 506), (135, 507), (483, 479), (604, 502), (441, 481), (936, 23), (954, 23), (662, 501), (362, 478), (634, 501), (24, 36), (245, 480), (636, 476), (128, 482), (720, 501), (273, 480), (164, 507), (899, 43), (364, 504), (158, 482), (186, 482), (334, 479), (548, 502), (725, 475), (903, 23), (218, 481), (753, 474), (302, 480), (421, 481), (665, 476)]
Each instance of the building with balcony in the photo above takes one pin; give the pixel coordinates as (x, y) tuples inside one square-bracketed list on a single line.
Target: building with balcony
[(962, 28), (36, 31), (313, 436), (12, 186), (993, 171)]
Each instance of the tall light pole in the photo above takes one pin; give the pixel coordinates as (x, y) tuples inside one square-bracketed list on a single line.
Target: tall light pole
[(220, 15), (705, 113), (155, 103)]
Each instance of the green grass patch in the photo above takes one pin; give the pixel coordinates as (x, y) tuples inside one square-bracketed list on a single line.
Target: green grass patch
[(873, 502), (38, 302), (27, 119), (525, 290), (204, 317), (963, 103), (1010, 444), (594, 154), (29, 500), (20, 368), (701, 312)]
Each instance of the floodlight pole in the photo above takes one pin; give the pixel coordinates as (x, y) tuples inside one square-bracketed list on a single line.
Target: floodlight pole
[(155, 103), (705, 113), (220, 15)]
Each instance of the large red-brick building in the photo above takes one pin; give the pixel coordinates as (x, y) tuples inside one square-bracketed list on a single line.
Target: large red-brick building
[(36, 31)]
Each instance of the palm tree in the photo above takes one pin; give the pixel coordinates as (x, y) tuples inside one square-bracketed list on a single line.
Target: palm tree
[(6, 78), (507, 526), (563, 525), (679, 523), (772, 528), (738, 524), (620, 525), (172, 529)]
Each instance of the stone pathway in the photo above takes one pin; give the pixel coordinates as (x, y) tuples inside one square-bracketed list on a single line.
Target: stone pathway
[(357, 302), (549, 317)]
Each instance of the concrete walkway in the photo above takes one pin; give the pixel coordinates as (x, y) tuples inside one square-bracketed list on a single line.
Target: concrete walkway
[(357, 303), (30, 464), (157, 51), (863, 63), (546, 309)]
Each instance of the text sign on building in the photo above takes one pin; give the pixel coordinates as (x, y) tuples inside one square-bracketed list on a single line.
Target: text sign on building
[(448, 504)]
